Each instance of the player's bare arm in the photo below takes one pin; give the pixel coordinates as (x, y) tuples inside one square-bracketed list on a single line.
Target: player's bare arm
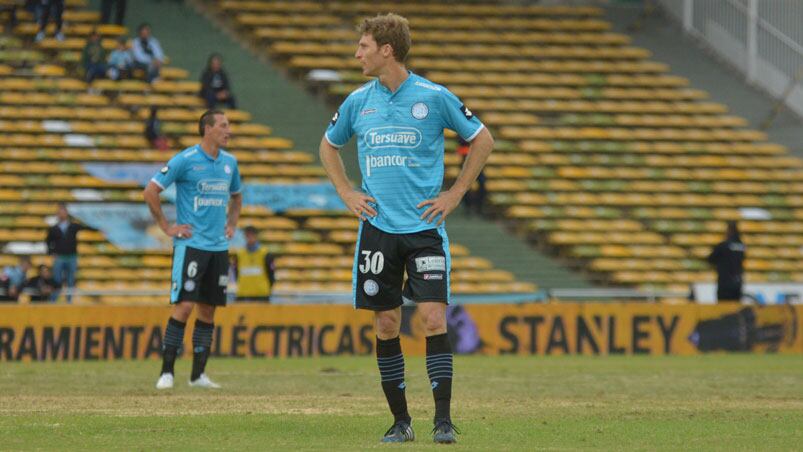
[(356, 201), (447, 201), (235, 205), (151, 195)]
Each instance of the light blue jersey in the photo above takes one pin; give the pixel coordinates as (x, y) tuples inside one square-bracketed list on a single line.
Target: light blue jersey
[(400, 145), (203, 186)]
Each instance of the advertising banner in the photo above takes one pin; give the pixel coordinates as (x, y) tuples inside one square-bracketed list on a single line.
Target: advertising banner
[(61, 333)]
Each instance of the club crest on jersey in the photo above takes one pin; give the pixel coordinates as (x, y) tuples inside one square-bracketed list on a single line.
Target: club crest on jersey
[(334, 118), (420, 110), (227, 169), (466, 112)]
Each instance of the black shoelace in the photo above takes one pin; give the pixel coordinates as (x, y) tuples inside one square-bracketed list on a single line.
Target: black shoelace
[(445, 425)]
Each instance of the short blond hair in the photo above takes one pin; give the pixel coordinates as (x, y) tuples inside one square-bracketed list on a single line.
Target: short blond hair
[(390, 29)]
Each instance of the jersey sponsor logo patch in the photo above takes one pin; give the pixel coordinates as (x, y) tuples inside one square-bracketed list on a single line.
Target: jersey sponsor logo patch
[(335, 117), (466, 112), (384, 161), (430, 264), (213, 186), (207, 202), (370, 287), (368, 111), (433, 276), (164, 169), (420, 110), (393, 137)]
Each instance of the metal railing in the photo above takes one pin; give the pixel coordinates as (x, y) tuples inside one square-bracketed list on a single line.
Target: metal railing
[(762, 38)]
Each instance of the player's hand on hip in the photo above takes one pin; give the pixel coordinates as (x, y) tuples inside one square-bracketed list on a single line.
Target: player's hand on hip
[(182, 231), (441, 206), (357, 203)]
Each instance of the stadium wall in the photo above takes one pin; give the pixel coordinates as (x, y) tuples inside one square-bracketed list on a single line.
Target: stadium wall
[(67, 333)]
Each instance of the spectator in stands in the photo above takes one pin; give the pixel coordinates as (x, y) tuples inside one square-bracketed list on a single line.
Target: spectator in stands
[(5, 289), (215, 86), (255, 269), (148, 54), (16, 277), (62, 242), (93, 57), (120, 61), (42, 287), (46, 7), (474, 199), (153, 131), (728, 257), (106, 11)]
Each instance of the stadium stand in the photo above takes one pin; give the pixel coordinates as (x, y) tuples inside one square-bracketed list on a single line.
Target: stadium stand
[(603, 156), (52, 123)]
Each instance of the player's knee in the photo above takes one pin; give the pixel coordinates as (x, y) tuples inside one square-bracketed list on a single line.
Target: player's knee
[(387, 326), (434, 322)]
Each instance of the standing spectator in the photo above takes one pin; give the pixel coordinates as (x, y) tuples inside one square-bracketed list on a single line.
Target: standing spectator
[(16, 277), (255, 269), (45, 8), (153, 131), (106, 11), (42, 287), (728, 256), (62, 242), (93, 57), (120, 61), (215, 86), (475, 197), (148, 54)]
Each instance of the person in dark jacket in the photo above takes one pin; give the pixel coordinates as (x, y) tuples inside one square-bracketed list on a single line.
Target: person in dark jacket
[(728, 257), (215, 86), (62, 242), (93, 58), (42, 287)]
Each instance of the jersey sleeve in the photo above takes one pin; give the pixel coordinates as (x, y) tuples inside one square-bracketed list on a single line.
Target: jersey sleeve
[(236, 184), (341, 127), (456, 116), (171, 172)]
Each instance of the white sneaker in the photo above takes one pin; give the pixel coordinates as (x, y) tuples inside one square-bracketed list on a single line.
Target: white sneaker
[(60, 37), (204, 382), (165, 381), (39, 36)]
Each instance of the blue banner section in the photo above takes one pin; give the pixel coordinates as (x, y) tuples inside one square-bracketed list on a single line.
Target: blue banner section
[(140, 173), (127, 226), (281, 197)]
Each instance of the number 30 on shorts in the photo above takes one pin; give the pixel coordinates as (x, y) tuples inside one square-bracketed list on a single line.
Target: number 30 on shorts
[(374, 262)]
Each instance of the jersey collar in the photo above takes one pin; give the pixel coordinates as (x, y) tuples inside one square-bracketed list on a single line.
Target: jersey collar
[(384, 89)]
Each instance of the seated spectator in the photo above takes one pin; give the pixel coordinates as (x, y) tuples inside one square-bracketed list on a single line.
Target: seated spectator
[(120, 61), (42, 287), (153, 131), (148, 54), (215, 86), (45, 7), (5, 289), (16, 277), (93, 58)]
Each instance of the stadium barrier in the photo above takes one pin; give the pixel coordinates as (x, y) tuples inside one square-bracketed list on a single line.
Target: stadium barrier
[(66, 333)]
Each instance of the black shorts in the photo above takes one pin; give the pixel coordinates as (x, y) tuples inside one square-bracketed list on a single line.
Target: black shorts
[(381, 258), (199, 275)]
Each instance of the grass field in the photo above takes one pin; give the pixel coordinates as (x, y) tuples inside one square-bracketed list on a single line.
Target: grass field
[(742, 402)]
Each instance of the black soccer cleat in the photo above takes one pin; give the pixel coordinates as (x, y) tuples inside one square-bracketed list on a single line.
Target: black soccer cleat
[(400, 432), (444, 432)]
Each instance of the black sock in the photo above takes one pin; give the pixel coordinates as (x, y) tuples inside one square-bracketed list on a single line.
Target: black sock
[(391, 369), (174, 338), (439, 369), (201, 344)]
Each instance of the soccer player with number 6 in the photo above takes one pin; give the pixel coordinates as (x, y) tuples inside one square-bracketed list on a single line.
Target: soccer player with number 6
[(206, 178), (398, 119)]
